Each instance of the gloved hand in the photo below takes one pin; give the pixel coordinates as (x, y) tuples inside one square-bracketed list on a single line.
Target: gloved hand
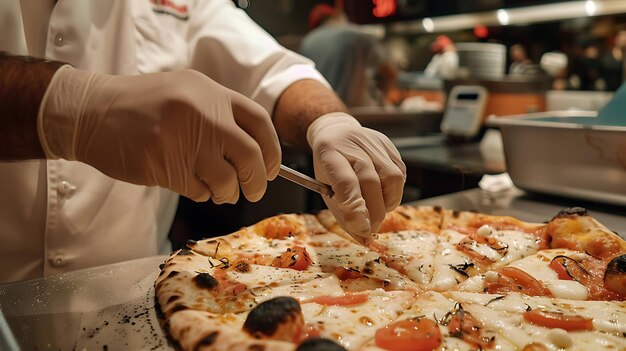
[(179, 130), (364, 169)]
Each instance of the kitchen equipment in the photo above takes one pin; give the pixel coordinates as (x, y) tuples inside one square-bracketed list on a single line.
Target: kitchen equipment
[(568, 153), (305, 181), (465, 109)]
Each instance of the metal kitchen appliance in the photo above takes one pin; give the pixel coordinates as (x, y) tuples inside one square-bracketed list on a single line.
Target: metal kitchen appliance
[(567, 153)]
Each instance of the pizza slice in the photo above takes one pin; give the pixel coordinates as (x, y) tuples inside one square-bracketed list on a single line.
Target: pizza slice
[(560, 273), (350, 319), (470, 243), (410, 252), (435, 322), (543, 323)]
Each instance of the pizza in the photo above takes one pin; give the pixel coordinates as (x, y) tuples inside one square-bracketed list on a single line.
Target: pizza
[(433, 279)]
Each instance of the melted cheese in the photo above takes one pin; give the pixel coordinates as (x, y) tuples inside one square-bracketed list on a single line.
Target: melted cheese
[(419, 250), (521, 333), (608, 316), (352, 326), (444, 277), (332, 251), (267, 282), (538, 265), (435, 305)]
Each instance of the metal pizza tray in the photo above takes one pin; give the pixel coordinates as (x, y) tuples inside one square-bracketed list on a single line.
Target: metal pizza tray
[(567, 153), (107, 307)]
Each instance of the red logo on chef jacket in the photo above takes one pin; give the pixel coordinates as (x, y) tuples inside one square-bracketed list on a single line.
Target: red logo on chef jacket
[(177, 9)]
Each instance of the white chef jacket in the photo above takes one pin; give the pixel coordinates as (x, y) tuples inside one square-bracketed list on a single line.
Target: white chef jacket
[(59, 215), (443, 65)]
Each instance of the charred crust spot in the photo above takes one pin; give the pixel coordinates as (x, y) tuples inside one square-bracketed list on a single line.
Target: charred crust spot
[(265, 317), (256, 347), (173, 274), (184, 252), (616, 266), (190, 243), (178, 308), (572, 212), (161, 265), (158, 311), (319, 344), (242, 267), (173, 298), (456, 213), (207, 340), (205, 280), (437, 209)]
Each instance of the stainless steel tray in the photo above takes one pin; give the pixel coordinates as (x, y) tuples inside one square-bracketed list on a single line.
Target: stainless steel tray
[(566, 153)]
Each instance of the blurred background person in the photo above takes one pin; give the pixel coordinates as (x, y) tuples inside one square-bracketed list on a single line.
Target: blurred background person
[(445, 62), (613, 62), (354, 62), (521, 65), (587, 69)]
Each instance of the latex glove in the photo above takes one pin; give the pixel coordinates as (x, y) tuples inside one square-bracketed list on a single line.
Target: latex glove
[(179, 130), (364, 169)]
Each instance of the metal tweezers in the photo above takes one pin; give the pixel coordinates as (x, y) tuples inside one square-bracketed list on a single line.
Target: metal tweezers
[(305, 181)]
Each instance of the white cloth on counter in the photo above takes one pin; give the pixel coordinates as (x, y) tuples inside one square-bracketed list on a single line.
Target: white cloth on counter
[(59, 215), (496, 183)]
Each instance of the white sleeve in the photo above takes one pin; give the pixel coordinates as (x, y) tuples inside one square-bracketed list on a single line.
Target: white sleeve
[(226, 45)]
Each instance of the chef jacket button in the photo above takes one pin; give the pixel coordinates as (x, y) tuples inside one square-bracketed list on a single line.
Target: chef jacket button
[(58, 261), (59, 40), (65, 189)]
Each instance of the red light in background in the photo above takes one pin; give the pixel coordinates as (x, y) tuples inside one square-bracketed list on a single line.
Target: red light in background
[(481, 31), (384, 8)]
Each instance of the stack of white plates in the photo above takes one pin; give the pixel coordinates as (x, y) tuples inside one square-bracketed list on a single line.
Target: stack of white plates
[(482, 60)]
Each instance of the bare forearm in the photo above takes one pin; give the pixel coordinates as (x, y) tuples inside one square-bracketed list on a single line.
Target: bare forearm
[(23, 82), (299, 105)]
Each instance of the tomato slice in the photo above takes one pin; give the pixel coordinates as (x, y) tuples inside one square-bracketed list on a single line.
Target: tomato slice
[(345, 273), (295, 258), (278, 228), (515, 279), (378, 246), (342, 300), (464, 326), (558, 320), (409, 335), (557, 264)]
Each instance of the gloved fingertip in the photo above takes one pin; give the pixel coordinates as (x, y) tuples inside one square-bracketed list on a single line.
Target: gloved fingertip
[(365, 240), (256, 196), (375, 227), (199, 196), (359, 228)]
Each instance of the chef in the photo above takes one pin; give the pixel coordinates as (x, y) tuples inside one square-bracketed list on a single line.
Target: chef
[(159, 96)]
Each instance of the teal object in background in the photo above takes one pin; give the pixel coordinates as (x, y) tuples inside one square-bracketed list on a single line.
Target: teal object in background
[(614, 113)]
